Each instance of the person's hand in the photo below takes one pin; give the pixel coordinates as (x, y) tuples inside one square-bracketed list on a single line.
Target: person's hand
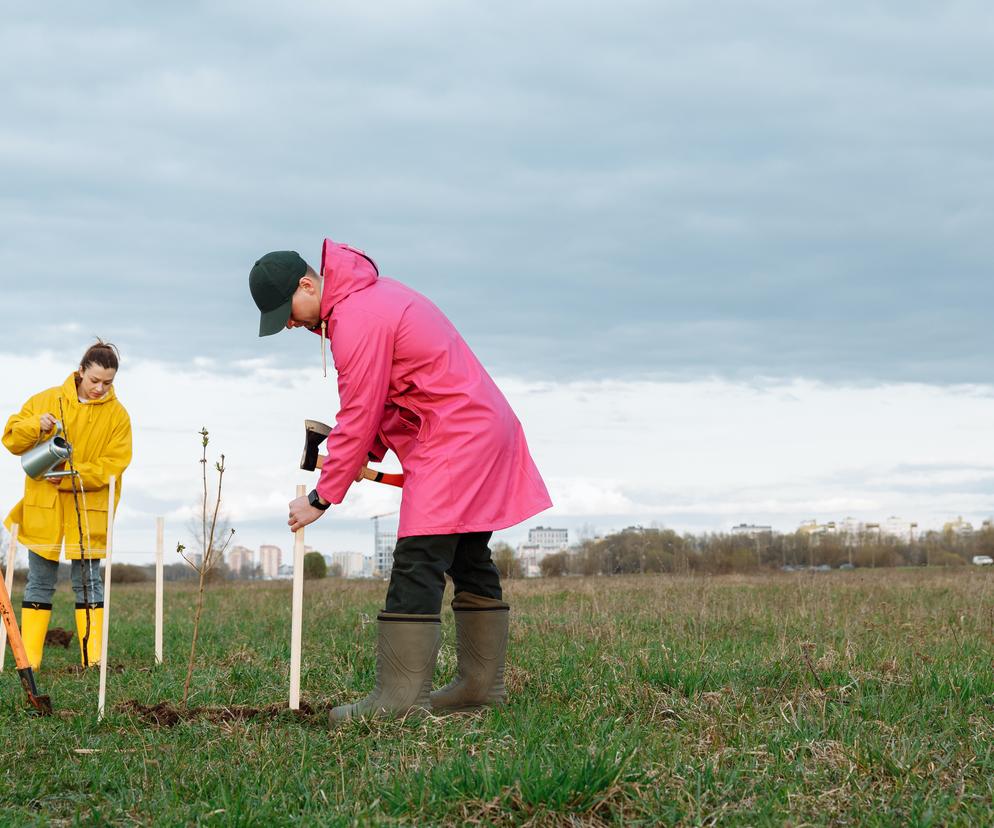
[(359, 474), (55, 481), (47, 422), (301, 514)]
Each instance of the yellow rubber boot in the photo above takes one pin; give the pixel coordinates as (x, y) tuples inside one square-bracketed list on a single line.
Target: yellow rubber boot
[(34, 626), (95, 641)]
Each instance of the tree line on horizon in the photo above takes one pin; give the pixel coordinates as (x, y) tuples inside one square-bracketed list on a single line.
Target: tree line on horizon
[(639, 550), (657, 550)]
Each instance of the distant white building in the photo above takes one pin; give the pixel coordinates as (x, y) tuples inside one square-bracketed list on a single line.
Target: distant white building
[(851, 528), (240, 558), (813, 527), (384, 542), (530, 555), (270, 558), (351, 563), (549, 539), (542, 541), (751, 530), (903, 530), (959, 527)]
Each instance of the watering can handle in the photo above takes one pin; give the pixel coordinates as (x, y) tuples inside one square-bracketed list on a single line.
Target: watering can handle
[(56, 430)]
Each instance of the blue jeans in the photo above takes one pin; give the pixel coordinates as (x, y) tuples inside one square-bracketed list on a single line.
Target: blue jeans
[(43, 574)]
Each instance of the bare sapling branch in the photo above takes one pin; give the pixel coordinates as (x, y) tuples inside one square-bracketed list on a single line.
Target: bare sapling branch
[(211, 552)]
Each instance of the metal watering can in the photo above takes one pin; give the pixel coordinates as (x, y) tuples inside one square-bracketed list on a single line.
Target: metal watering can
[(39, 461)]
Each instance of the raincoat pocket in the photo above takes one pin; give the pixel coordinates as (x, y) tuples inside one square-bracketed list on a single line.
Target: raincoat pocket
[(94, 522), (96, 525), (413, 422), (39, 515)]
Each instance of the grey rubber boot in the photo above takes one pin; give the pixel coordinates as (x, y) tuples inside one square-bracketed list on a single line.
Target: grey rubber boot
[(481, 650), (406, 649)]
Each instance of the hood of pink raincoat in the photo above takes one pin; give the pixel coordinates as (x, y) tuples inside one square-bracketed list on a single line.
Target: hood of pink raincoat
[(344, 270)]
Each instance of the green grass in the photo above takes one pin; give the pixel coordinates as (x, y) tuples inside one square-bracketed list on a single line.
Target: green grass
[(844, 698)]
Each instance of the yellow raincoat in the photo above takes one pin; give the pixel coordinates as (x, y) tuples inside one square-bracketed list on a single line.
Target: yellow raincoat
[(100, 433)]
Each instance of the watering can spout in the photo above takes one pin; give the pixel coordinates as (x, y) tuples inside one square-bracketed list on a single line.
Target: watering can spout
[(43, 458)]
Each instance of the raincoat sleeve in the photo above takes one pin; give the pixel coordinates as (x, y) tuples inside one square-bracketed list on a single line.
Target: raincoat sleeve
[(362, 345), (23, 429), (113, 460)]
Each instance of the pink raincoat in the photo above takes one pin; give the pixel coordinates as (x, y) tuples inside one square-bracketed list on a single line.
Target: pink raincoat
[(408, 382)]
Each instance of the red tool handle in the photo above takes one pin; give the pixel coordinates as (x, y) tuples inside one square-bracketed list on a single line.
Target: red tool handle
[(381, 477)]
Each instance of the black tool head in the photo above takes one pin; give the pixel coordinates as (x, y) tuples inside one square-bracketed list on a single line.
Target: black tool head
[(315, 433)]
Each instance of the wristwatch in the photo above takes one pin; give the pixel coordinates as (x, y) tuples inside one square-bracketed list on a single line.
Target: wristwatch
[(315, 500)]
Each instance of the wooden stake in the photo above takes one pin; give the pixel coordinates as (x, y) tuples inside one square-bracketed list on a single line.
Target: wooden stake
[(297, 611), (102, 697), (9, 582), (159, 532)]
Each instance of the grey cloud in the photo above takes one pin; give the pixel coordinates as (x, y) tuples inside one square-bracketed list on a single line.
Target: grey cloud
[(662, 189)]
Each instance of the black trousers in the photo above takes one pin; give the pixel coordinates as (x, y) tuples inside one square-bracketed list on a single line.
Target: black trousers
[(420, 564)]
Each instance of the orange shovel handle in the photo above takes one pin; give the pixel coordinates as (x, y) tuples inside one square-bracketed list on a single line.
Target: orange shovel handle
[(13, 631), (41, 703)]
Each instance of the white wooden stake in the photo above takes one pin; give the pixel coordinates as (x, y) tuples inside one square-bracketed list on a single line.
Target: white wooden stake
[(297, 611), (9, 581), (102, 697), (159, 532)]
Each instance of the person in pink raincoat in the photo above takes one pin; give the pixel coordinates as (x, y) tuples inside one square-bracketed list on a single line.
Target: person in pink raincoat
[(408, 382)]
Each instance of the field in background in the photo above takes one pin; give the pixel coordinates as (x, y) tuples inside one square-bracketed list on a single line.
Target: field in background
[(838, 698)]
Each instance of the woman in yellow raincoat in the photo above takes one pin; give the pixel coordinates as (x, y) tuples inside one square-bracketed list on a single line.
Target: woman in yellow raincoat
[(99, 429)]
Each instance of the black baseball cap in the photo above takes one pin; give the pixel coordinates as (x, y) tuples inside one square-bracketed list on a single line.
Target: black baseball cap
[(273, 281)]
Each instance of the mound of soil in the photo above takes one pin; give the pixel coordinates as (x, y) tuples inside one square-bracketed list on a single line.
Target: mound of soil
[(167, 714), (59, 637)]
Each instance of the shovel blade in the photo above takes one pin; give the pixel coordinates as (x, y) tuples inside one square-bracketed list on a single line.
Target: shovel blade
[(41, 704)]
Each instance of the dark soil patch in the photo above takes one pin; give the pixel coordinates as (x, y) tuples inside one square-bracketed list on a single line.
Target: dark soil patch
[(59, 637), (167, 714)]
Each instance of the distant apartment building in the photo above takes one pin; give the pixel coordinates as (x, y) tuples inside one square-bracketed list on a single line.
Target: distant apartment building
[(751, 530), (241, 560), (351, 563), (545, 537), (813, 527), (904, 530), (854, 531), (270, 558), (384, 542), (542, 541), (959, 527)]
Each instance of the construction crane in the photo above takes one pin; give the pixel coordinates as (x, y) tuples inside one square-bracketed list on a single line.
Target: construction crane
[(379, 557)]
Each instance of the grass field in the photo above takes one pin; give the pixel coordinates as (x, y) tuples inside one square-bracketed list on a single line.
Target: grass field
[(846, 698)]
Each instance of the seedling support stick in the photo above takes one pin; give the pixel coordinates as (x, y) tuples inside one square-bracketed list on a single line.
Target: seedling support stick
[(105, 637), (296, 611), (9, 581), (159, 532)]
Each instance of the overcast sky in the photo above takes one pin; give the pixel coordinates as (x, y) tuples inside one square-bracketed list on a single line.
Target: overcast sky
[(789, 194)]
